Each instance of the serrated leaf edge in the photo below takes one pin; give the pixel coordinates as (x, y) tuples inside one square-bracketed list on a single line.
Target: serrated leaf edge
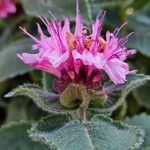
[(39, 136), (33, 96), (119, 124), (124, 93)]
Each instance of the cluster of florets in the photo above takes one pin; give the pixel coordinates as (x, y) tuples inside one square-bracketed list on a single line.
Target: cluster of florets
[(81, 57), (6, 7)]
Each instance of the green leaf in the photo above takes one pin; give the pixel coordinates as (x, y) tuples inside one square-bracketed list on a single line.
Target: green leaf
[(57, 7), (139, 4), (142, 94), (21, 108), (144, 122), (120, 113), (14, 137), (33, 112), (45, 100), (139, 19), (74, 96), (16, 110), (139, 22), (10, 65), (116, 94), (105, 3), (100, 133), (141, 42)]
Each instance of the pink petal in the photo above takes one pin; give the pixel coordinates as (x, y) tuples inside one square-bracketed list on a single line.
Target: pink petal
[(88, 58), (79, 25), (11, 7), (77, 65), (6, 7), (31, 60), (116, 70), (27, 58), (60, 59)]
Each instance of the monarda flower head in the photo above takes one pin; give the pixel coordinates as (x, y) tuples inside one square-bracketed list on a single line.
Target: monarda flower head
[(80, 57), (6, 7)]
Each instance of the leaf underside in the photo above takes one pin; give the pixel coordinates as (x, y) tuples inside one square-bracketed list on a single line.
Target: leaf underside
[(45, 100)]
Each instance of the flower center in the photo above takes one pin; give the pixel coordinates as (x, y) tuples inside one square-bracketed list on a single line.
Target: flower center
[(87, 41), (102, 45), (71, 41)]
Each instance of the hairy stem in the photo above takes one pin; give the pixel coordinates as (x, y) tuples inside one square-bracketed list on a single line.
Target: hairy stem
[(81, 114)]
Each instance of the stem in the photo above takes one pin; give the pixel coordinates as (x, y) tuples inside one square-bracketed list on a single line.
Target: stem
[(81, 114)]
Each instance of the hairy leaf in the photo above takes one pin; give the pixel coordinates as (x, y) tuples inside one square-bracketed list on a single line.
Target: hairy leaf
[(100, 133), (143, 121), (10, 65), (46, 100), (116, 94), (33, 112), (14, 136)]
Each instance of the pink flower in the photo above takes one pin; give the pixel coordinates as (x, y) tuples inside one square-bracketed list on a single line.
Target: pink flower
[(79, 57), (6, 7)]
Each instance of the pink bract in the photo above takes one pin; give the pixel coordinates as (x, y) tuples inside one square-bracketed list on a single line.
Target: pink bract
[(6, 7), (79, 57)]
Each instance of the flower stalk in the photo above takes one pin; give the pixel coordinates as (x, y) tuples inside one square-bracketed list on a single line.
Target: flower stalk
[(81, 114)]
